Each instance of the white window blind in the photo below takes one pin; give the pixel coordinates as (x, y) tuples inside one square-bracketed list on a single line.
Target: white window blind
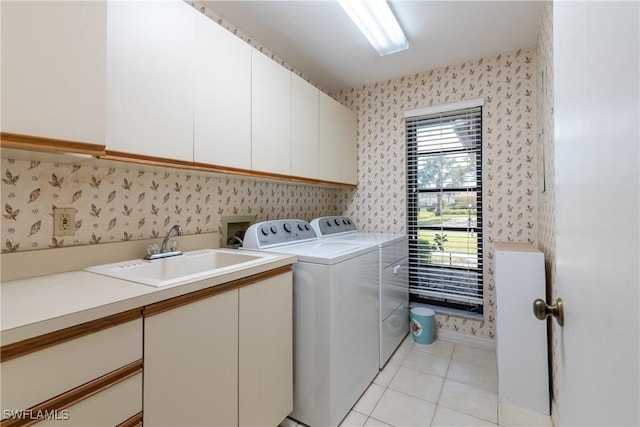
[(444, 212)]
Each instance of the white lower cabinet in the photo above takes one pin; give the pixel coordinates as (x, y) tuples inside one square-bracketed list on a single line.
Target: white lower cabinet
[(221, 360), (108, 408), (94, 379), (191, 364), (266, 352)]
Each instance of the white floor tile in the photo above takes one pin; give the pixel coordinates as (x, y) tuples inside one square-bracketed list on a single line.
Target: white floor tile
[(369, 399), (449, 418), (473, 375), (408, 341), (372, 422), (399, 355), (400, 410), (426, 362), (438, 347), (476, 355), (288, 422), (418, 384), (386, 375), (354, 419), (469, 400), (511, 416)]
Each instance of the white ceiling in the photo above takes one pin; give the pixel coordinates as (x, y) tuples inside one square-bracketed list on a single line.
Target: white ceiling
[(319, 40)]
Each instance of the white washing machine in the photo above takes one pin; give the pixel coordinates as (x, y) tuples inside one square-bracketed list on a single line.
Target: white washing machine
[(335, 312), (393, 277)]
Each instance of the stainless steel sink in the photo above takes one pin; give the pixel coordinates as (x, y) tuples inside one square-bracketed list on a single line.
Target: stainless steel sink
[(188, 267)]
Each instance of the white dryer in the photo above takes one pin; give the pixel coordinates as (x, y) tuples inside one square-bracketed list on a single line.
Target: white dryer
[(393, 277), (335, 312)]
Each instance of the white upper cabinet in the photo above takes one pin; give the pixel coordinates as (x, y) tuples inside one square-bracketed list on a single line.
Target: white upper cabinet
[(304, 128), (270, 115), (53, 69), (222, 121), (150, 84), (338, 142)]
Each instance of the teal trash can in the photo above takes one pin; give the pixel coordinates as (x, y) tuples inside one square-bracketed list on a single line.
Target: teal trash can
[(422, 324)]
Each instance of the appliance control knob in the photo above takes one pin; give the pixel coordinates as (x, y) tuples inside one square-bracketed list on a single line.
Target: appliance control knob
[(300, 227), (306, 227), (349, 221), (274, 229), (287, 227), (337, 221), (264, 231), (329, 223), (345, 222)]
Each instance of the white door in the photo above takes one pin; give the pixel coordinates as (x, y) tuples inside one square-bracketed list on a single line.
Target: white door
[(596, 119)]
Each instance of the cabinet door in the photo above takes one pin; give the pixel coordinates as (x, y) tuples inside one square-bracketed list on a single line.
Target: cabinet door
[(150, 78), (338, 142), (270, 115), (54, 69), (222, 121), (191, 364), (266, 352), (304, 128)]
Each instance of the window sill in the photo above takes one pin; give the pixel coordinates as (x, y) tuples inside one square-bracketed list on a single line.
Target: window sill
[(449, 311)]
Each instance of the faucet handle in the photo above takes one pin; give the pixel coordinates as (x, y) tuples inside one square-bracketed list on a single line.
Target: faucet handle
[(153, 249), (173, 245)]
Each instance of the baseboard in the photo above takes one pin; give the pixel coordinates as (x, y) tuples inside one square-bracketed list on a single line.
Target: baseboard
[(461, 338)]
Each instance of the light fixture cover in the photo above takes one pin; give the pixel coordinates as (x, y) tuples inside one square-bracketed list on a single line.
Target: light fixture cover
[(376, 21)]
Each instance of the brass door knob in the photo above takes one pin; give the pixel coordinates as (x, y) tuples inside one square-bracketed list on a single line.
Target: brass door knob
[(542, 310)]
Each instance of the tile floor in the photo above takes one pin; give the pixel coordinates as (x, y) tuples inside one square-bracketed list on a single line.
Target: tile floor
[(441, 384)]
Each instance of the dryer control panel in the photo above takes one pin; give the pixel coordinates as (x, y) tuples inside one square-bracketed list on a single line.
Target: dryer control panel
[(278, 232), (332, 225)]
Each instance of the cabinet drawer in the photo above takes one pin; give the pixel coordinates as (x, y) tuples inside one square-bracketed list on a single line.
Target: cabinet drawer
[(110, 407), (43, 374)]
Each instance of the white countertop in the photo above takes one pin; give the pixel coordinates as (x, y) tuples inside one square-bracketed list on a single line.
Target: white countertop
[(35, 306)]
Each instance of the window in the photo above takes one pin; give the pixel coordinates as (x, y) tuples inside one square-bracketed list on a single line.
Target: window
[(444, 207)]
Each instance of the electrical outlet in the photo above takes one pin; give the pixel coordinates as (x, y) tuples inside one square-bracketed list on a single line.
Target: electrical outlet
[(64, 221)]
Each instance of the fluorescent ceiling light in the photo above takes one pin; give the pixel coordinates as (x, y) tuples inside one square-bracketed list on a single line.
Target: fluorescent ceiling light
[(376, 21)]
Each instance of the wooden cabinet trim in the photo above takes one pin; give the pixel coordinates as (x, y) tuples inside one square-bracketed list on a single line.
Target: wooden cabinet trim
[(70, 398), (21, 348), (31, 142), (206, 167), (134, 421), (170, 304), (38, 143)]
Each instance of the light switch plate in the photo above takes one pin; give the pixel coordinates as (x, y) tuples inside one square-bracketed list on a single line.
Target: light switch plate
[(64, 221)]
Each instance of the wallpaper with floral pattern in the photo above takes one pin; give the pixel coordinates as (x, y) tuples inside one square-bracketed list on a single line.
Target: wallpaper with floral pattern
[(507, 83), (120, 202)]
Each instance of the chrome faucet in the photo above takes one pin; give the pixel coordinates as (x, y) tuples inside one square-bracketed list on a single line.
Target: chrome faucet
[(165, 241), (165, 251)]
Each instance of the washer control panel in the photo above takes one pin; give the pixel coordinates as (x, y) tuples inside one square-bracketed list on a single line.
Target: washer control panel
[(329, 225), (277, 232)]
